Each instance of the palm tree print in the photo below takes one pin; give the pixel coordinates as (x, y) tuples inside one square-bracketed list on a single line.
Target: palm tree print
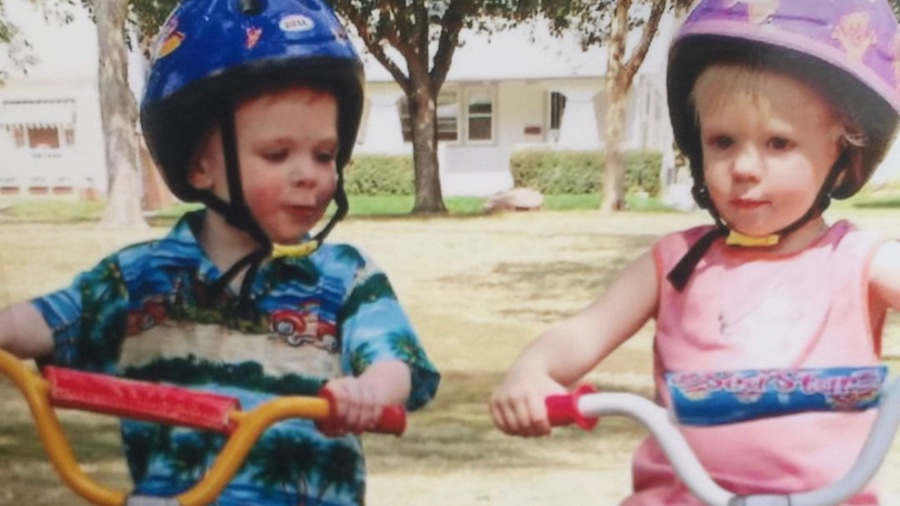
[(362, 357), (141, 438), (407, 348), (192, 454), (283, 460), (338, 469), (373, 288)]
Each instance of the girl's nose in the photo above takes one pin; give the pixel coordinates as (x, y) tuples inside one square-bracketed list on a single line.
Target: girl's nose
[(747, 164)]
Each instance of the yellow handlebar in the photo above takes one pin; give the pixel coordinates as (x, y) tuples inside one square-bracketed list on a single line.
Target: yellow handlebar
[(36, 393), (247, 427)]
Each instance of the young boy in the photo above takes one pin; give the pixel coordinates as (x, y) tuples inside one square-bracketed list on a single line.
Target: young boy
[(251, 109)]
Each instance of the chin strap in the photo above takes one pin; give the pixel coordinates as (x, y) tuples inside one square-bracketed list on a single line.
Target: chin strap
[(294, 250), (736, 238), (681, 273)]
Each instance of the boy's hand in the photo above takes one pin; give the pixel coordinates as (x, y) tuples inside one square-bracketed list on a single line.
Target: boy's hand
[(356, 404), (518, 405)]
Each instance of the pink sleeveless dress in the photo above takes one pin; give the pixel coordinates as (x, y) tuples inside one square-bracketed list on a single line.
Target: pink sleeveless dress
[(743, 310)]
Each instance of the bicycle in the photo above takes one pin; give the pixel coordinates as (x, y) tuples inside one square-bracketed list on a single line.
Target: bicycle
[(733, 396), (56, 387)]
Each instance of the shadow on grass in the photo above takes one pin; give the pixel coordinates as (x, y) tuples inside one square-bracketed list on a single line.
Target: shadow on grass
[(456, 430), (539, 281)]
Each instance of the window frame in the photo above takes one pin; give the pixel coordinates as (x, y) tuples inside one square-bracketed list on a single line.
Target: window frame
[(451, 97), (491, 93)]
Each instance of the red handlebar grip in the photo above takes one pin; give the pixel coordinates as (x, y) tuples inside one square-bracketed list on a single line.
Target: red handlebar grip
[(140, 400), (392, 421), (563, 409)]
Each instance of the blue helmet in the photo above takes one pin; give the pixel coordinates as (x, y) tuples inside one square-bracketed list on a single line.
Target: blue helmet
[(211, 54)]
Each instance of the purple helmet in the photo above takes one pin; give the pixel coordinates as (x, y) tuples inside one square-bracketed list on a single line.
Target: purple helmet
[(845, 49)]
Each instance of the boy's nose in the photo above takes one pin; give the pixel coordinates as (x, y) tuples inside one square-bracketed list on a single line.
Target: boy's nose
[(747, 164), (300, 174)]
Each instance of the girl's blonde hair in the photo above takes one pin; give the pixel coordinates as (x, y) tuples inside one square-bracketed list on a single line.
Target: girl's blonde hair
[(719, 82)]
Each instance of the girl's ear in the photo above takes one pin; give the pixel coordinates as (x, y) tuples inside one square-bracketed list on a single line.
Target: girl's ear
[(851, 176)]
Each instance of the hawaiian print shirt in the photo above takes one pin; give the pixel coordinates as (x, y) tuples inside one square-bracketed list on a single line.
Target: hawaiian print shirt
[(153, 312)]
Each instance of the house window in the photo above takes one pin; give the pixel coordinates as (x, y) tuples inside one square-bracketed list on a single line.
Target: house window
[(43, 138), (557, 108), (480, 114), (447, 114), (40, 125)]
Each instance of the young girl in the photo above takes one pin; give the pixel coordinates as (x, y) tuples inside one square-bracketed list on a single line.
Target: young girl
[(251, 108), (778, 110)]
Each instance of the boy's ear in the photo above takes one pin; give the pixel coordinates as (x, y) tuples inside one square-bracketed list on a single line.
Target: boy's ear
[(199, 175)]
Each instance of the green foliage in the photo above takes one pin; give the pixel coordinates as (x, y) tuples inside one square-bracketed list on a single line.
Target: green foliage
[(48, 210), (401, 205), (884, 196), (149, 16), (581, 172), (379, 175)]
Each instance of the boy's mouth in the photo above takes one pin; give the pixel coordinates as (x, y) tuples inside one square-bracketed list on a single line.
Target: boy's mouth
[(748, 204), (302, 210)]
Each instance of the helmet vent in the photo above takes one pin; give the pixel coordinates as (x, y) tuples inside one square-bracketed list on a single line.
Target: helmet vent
[(313, 6), (251, 7)]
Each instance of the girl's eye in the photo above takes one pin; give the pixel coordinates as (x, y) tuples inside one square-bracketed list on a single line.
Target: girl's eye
[(779, 143), (721, 142), (325, 156)]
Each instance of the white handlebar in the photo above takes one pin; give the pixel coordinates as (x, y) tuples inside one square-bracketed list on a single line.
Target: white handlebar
[(659, 422)]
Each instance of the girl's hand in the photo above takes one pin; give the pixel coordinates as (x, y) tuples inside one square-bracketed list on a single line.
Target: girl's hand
[(357, 405), (518, 404)]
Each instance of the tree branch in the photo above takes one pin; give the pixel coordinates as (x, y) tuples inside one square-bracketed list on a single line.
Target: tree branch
[(634, 62)]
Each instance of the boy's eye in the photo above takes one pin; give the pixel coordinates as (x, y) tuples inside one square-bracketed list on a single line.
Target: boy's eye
[(779, 143), (277, 155)]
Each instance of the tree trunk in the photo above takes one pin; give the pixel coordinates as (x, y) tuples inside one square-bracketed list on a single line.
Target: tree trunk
[(617, 84), (118, 112), (423, 114), (614, 169)]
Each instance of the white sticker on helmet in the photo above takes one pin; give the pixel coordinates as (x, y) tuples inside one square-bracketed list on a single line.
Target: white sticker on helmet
[(296, 23)]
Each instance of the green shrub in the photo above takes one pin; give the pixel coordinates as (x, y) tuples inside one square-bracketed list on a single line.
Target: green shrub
[(379, 175), (581, 172)]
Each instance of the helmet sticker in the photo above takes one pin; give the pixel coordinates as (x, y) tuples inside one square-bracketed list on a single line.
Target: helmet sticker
[(253, 35), (169, 40), (758, 11), (293, 23), (855, 34)]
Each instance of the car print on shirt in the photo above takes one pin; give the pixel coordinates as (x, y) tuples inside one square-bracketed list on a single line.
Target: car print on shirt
[(148, 316), (304, 327)]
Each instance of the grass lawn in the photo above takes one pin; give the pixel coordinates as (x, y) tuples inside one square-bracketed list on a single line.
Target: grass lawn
[(478, 288)]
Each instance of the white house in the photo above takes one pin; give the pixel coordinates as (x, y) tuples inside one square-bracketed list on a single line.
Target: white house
[(517, 89), (503, 93), (50, 131)]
